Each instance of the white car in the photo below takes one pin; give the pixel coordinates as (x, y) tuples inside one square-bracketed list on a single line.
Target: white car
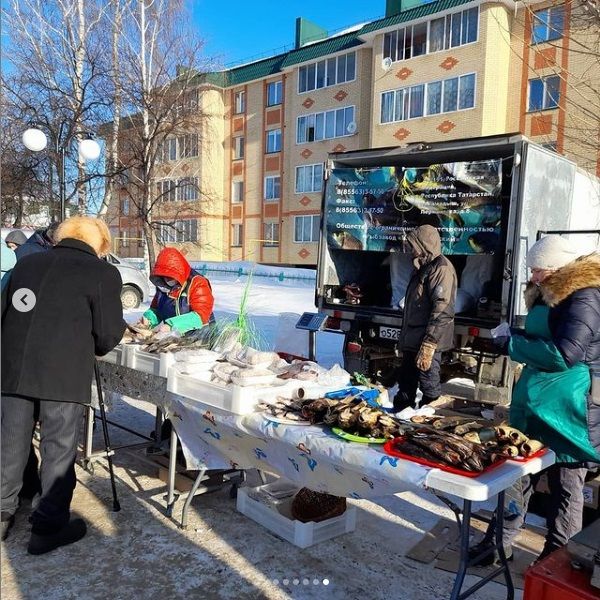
[(136, 289)]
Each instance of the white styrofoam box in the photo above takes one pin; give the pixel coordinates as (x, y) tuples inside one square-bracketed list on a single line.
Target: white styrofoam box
[(116, 356), (233, 398), (277, 519), (146, 362)]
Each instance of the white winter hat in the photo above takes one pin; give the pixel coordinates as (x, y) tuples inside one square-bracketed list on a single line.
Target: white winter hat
[(551, 252)]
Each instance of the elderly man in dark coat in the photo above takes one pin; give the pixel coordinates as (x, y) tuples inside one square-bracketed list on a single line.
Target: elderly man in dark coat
[(48, 358)]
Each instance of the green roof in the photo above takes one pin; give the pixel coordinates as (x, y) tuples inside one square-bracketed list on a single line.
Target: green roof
[(419, 12), (276, 64)]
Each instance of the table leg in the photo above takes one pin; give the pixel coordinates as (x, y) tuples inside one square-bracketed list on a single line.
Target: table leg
[(158, 421), (88, 447), (172, 472), (190, 497), (464, 561), (510, 589)]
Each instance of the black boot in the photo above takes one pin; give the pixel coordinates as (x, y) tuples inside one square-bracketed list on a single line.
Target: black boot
[(6, 522), (69, 534), (492, 557)]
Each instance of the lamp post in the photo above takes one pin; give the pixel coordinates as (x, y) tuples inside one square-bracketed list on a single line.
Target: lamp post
[(35, 139)]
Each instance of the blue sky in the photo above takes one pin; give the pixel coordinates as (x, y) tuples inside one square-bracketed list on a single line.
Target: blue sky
[(239, 31)]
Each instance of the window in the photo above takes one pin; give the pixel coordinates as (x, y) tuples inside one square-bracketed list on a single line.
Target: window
[(433, 36), (273, 141), (237, 234), (466, 92), (272, 187), (309, 179), (270, 234), (140, 240), (274, 93), (548, 24), (306, 228), (240, 102), (188, 146), (237, 191), (186, 102), (238, 147), (325, 73), (184, 190), (180, 231), (124, 240), (187, 189), (125, 206), (170, 149), (544, 93), (324, 125), (457, 93)]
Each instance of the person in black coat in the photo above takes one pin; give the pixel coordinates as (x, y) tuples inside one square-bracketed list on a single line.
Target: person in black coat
[(40, 241), (48, 358)]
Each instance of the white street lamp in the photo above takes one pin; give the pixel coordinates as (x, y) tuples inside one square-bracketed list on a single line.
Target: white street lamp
[(89, 150), (34, 139)]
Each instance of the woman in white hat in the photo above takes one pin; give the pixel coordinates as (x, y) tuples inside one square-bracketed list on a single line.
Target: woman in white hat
[(553, 400)]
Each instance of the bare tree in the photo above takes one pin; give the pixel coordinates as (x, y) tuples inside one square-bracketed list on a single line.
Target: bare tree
[(565, 28), (160, 98), (54, 67)]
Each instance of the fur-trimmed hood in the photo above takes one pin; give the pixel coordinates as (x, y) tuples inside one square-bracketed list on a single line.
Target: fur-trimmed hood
[(577, 275)]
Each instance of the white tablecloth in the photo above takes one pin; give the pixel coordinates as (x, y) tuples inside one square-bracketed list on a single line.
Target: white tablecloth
[(314, 457)]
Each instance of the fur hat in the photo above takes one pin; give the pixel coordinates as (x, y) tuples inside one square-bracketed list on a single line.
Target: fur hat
[(89, 230), (552, 252), (16, 236)]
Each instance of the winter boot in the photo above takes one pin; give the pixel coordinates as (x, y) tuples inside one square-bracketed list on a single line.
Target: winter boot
[(69, 534), (491, 556), (6, 521)]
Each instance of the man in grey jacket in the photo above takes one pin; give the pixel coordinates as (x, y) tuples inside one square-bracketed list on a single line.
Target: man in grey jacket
[(428, 320)]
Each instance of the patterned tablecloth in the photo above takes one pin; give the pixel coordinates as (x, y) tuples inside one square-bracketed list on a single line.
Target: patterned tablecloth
[(311, 456)]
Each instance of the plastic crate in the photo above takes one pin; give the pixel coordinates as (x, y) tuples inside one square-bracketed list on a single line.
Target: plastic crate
[(553, 578), (116, 356), (233, 398), (146, 362), (277, 520)]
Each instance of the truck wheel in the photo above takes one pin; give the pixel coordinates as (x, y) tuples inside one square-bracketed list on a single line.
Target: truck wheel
[(130, 297)]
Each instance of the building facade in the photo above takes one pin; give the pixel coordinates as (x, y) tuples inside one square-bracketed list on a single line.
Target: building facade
[(428, 71)]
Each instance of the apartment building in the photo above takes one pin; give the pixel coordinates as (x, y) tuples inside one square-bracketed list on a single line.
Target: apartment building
[(247, 184)]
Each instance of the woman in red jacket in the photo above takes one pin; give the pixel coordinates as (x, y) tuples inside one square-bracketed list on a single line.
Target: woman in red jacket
[(183, 299)]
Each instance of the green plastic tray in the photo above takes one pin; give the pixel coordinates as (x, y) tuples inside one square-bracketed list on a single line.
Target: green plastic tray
[(349, 437)]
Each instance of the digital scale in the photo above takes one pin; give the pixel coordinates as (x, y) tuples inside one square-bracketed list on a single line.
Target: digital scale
[(311, 322)]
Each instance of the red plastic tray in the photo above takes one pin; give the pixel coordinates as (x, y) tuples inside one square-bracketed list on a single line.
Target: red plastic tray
[(389, 448)]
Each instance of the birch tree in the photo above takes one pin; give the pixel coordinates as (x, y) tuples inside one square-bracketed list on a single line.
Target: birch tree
[(53, 70), (160, 67)]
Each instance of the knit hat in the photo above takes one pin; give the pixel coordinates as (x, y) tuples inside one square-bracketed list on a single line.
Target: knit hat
[(551, 252), (16, 237)]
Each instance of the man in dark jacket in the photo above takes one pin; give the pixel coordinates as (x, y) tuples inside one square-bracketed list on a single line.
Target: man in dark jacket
[(40, 241), (428, 320), (48, 356)]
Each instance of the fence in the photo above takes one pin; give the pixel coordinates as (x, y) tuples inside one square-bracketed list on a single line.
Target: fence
[(242, 269)]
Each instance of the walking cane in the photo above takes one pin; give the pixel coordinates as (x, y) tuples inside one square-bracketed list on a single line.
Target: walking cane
[(116, 505)]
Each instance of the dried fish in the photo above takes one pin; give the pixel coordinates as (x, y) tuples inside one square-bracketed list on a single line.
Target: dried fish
[(531, 447)]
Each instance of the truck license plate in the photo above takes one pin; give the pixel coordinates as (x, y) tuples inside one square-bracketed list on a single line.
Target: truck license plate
[(389, 333)]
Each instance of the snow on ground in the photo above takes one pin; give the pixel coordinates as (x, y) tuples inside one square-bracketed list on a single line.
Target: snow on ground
[(268, 299), (140, 553)]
